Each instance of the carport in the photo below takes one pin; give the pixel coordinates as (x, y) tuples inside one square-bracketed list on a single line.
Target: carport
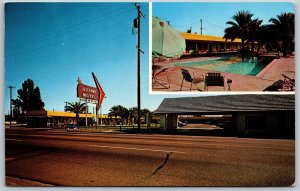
[(252, 114)]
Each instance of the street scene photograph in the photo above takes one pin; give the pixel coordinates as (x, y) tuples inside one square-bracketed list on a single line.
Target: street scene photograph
[(223, 46), (80, 111)]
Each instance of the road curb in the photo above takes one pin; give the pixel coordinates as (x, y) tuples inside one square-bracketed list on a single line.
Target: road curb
[(14, 181)]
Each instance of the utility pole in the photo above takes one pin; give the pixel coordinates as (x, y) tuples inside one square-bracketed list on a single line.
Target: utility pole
[(201, 26), (10, 97), (137, 24)]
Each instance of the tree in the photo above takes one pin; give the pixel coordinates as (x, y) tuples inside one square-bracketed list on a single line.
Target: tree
[(254, 28), (144, 113), (239, 27), (133, 114), (76, 107), (284, 25), (119, 111), (29, 98)]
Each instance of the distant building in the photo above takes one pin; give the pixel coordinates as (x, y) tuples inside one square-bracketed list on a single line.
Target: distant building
[(252, 114), (58, 118), (201, 44)]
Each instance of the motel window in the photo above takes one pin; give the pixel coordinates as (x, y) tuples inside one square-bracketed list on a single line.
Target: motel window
[(255, 122)]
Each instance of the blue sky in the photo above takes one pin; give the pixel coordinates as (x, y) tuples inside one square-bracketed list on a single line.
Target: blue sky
[(54, 43), (214, 15)]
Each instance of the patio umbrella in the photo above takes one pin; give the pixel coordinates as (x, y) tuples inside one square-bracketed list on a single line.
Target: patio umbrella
[(166, 41)]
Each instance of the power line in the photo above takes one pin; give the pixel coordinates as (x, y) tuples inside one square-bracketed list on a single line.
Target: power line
[(71, 28), (214, 25), (104, 41), (57, 42), (76, 36)]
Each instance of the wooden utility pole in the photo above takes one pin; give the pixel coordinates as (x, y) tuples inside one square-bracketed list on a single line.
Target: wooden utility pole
[(137, 24), (10, 98), (201, 26)]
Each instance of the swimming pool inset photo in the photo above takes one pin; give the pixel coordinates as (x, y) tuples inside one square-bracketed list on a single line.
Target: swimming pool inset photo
[(235, 65)]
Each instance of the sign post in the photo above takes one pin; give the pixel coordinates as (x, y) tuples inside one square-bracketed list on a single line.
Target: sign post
[(91, 95), (101, 96), (86, 110)]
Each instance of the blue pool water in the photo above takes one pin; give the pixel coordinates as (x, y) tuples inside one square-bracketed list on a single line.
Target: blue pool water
[(233, 65)]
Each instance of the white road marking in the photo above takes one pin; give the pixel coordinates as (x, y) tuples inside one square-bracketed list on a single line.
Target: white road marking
[(18, 140), (127, 148)]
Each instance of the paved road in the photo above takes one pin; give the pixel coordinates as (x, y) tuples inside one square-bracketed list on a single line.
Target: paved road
[(105, 159)]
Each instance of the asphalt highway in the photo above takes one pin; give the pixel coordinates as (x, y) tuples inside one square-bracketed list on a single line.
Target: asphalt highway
[(63, 158)]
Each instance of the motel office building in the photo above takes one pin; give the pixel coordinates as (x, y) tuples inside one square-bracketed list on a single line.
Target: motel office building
[(198, 44), (252, 114), (57, 119)]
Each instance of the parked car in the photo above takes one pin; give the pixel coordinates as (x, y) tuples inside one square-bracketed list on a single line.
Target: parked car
[(224, 125), (182, 124), (211, 122), (70, 126)]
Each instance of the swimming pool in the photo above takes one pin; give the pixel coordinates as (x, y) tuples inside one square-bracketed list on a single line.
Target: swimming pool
[(233, 65)]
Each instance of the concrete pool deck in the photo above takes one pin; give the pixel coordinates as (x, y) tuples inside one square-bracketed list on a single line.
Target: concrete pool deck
[(270, 74)]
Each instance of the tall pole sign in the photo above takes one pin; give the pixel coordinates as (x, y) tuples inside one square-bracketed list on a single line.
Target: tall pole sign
[(100, 97), (91, 94)]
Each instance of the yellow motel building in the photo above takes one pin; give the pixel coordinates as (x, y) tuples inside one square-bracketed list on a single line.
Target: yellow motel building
[(57, 119), (199, 44)]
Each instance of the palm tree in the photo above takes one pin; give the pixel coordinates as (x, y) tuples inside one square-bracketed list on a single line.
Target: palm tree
[(119, 111), (266, 35), (239, 27), (254, 29), (284, 25), (76, 107), (133, 114)]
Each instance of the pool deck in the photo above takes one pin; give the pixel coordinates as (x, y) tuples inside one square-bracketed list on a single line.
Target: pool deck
[(270, 74)]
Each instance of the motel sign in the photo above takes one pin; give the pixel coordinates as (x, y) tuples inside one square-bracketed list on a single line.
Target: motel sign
[(87, 92)]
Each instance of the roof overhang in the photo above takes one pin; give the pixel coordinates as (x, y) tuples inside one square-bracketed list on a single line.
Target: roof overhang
[(227, 104), (208, 38)]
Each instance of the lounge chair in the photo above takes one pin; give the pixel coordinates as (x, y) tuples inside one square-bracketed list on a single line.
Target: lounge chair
[(214, 79), (288, 83), (160, 81), (186, 76)]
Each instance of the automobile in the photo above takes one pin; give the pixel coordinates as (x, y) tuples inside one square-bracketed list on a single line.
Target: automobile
[(211, 122), (70, 126), (224, 125), (182, 124)]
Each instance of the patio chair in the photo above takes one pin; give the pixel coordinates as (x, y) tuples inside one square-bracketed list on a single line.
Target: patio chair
[(160, 81), (214, 79), (288, 83), (186, 76)]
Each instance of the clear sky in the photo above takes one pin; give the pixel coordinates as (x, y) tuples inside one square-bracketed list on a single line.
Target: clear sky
[(214, 15), (54, 43)]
